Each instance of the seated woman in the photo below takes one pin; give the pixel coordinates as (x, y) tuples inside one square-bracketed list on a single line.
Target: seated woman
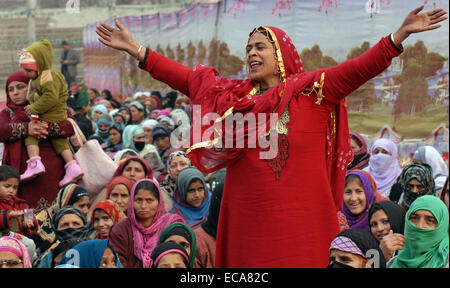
[(360, 154), (387, 223), (104, 122), (169, 255), (426, 236), (68, 223), (415, 181), (355, 248), (13, 253), (432, 157), (191, 198), (118, 191), (135, 237), (360, 192), (105, 215), (383, 165), (183, 235), (114, 142), (70, 195), (176, 162), (92, 254)]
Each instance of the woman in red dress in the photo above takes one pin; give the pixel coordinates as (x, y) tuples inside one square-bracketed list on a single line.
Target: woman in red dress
[(288, 203)]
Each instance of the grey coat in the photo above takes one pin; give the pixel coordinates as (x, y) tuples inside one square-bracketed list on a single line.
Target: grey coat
[(73, 60)]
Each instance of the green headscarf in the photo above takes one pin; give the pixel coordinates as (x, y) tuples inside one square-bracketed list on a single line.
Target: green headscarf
[(128, 134), (425, 248), (185, 231)]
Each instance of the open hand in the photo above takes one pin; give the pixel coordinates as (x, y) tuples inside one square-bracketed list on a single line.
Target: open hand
[(118, 39)]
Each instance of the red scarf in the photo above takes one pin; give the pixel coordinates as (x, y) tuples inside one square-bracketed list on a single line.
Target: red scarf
[(13, 150), (224, 96)]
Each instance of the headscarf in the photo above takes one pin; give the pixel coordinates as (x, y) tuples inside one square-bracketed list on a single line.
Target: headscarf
[(180, 118), (191, 214), (13, 149), (169, 184), (157, 101), (66, 196), (163, 112), (185, 231), (210, 225), (429, 155), (425, 248), (362, 220), (384, 168), (116, 181), (128, 134), (138, 105), (123, 164), (160, 130), (359, 242), (129, 113), (146, 239), (82, 233), (109, 207), (167, 248), (14, 245), (421, 172), (164, 118), (117, 157), (394, 212), (149, 123), (224, 96), (360, 156), (63, 247), (101, 108), (89, 254)]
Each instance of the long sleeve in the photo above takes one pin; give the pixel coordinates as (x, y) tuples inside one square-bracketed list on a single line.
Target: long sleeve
[(348, 76), (11, 131), (166, 70)]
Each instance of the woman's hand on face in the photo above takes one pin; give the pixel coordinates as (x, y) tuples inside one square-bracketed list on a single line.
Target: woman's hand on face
[(417, 22), (38, 129)]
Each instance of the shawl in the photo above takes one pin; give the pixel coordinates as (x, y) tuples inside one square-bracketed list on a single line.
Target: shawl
[(13, 149), (89, 254), (184, 231), (384, 168), (223, 97), (146, 239), (191, 214), (128, 133), (99, 107), (362, 220), (360, 156), (364, 241), (421, 172), (14, 245), (118, 180), (394, 212), (430, 156), (123, 164), (82, 233), (425, 248), (168, 247)]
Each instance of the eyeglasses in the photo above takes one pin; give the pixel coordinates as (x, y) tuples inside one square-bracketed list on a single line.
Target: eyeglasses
[(10, 263)]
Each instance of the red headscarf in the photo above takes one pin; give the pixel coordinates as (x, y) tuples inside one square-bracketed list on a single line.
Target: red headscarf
[(224, 97), (116, 181), (111, 208), (13, 149)]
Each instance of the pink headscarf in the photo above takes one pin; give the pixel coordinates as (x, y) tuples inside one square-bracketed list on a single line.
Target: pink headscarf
[(146, 239), (15, 246)]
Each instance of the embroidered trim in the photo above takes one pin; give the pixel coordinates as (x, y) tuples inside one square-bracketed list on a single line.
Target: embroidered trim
[(317, 87), (278, 163)]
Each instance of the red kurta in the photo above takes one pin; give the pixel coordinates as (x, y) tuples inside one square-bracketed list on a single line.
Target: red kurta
[(288, 221)]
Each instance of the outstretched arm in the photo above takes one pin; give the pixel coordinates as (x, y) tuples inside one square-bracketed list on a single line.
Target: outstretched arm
[(417, 22)]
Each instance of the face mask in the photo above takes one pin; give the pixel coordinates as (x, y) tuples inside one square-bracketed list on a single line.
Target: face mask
[(103, 132), (380, 162), (139, 145), (337, 264)]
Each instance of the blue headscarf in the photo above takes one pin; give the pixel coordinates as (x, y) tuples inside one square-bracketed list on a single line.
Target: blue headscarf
[(100, 107), (191, 214), (89, 254), (128, 134)]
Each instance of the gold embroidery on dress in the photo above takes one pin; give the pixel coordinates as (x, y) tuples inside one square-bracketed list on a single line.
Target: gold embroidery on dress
[(317, 87)]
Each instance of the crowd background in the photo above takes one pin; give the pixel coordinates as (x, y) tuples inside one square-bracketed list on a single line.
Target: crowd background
[(175, 224)]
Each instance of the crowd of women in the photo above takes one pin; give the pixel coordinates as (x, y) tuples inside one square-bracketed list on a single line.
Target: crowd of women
[(160, 211)]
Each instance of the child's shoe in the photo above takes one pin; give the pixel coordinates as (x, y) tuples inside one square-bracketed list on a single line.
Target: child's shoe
[(34, 169), (73, 173)]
